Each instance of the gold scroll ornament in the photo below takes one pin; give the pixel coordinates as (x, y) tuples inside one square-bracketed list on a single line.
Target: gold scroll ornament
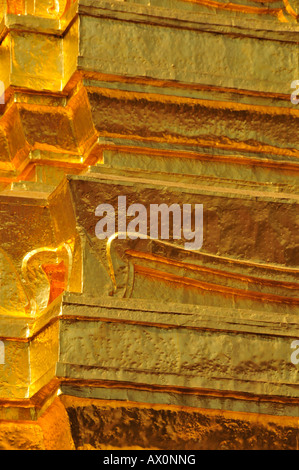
[(45, 274)]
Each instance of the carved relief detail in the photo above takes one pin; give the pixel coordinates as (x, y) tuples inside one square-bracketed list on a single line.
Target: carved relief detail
[(45, 274)]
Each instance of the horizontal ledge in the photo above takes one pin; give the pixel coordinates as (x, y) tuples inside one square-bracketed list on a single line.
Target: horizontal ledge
[(177, 186), (113, 384), (174, 315), (25, 328), (29, 408), (196, 398), (191, 20), (38, 25)]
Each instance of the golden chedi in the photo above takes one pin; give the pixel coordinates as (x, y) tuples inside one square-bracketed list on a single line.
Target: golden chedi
[(146, 111)]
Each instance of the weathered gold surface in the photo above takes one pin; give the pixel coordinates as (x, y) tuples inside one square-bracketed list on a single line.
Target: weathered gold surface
[(172, 101), (175, 428), (50, 432)]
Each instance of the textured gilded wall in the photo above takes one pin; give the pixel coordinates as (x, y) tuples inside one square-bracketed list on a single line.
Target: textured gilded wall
[(142, 344)]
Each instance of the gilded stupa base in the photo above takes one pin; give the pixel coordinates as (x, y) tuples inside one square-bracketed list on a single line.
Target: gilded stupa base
[(146, 343), (86, 424)]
